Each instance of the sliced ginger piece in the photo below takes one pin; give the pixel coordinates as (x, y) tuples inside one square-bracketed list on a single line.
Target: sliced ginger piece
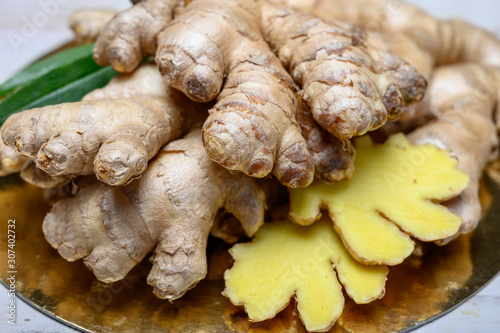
[(286, 259), (390, 197)]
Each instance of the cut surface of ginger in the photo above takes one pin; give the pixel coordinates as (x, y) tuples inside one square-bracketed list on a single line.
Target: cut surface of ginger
[(392, 195), (286, 259)]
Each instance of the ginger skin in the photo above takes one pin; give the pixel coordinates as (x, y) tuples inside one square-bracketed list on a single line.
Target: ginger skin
[(464, 98), (10, 160), (350, 86), (414, 35), (13, 162), (114, 228), (112, 132), (131, 35), (333, 158), (216, 50), (87, 24), (39, 178), (252, 128)]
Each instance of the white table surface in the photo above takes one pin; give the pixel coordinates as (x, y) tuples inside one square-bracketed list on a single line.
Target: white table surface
[(480, 314)]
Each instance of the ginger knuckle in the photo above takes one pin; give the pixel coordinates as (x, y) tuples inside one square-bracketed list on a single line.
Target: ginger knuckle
[(343, 63), (122, 112), (295, 167), (259, 168), (120, 60), (131, 34), (393, 102), (124, 229), (233, 127), (221, 145), (203, 85)]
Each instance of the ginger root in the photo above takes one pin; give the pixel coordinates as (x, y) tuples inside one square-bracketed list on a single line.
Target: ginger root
[(13, 162), (463, 99), (131, 34), (321, 63), (10, 160), (87, 24), (412, 34), (216, 50), (286, 259), (391, 189), (170, 209), (213, 49), (333, 158), (113, 132), (350, 86), (39, 178), (206, 43)]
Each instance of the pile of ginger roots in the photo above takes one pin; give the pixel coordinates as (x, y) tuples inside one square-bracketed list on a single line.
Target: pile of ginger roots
[(218, 98)]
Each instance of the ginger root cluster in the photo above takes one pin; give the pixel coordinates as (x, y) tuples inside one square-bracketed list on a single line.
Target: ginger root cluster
[(233, 92)]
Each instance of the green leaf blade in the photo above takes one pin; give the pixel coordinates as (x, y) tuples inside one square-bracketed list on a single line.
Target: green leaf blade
[(44, 67)]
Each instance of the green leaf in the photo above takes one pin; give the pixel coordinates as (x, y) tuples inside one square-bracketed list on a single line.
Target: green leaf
[(71, 92), (62, 62), (64, 77), (57, 78)]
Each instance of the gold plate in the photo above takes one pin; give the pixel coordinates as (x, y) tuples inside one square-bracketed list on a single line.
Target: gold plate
[(417, 291)]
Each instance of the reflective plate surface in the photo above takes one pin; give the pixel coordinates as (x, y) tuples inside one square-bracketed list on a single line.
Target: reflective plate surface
[(418, 290)]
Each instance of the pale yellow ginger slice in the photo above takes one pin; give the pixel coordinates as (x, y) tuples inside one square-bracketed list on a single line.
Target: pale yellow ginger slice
[(286, 259), (391, 196)]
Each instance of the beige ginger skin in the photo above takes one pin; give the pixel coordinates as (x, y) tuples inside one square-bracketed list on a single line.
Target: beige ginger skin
[(350, 85), (113, 132), (170, 210), (216, 50), (412, 34), (88, 23), (131, 35), (10, 160)]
